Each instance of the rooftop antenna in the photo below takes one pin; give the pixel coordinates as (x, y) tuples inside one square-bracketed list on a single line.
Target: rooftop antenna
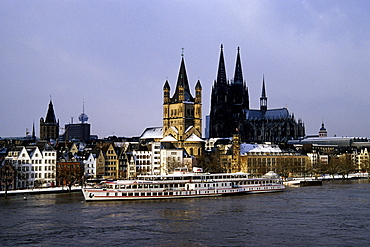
[(182, 52), (83, 117)]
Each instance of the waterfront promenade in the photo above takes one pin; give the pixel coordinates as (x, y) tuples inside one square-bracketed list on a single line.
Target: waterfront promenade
[(41, 191)]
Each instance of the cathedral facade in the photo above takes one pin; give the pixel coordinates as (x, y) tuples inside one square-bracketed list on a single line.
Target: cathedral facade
[(230, 113)]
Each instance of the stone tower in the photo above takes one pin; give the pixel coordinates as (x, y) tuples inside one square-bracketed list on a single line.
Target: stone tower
[(182, 114), (49, 127), (228, 101)]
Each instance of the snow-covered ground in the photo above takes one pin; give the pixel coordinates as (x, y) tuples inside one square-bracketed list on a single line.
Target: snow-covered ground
[(42, 190)]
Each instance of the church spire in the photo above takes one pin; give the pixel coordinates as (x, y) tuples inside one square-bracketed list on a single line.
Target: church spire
[(221, 74), (238, 76), (50, 115), (263, 87), (33, 131), (263, 99), (182, 86)]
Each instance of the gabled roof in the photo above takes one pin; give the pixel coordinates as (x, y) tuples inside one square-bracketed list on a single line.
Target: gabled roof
[(194, 138), (152, 133), (169, 138), (258, 148), (282, 113)]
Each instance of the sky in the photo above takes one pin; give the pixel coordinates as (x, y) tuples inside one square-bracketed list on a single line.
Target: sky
[(116, 55)]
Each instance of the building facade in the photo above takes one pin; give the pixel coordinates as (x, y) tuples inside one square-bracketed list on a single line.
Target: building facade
[(182, 115), (230, 113), (35, 167), (49, 127)]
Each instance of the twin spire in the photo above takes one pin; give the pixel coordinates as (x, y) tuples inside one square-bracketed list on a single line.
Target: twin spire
[(238, 76), (221, 74)]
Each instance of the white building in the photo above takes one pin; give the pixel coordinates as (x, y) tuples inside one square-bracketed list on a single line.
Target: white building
[(90, 166), (171, 159), (143, 160), (35, 167)]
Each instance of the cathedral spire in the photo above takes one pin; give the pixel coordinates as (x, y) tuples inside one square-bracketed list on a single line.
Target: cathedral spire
[(263, 87), (221, 74), (263, 99), (33, 131), (238, 76)]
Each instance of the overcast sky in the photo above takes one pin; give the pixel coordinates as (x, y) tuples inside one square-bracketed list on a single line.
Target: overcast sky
[(116, 56)]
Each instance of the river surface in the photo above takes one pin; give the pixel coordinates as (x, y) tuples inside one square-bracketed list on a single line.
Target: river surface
[(335, 214)]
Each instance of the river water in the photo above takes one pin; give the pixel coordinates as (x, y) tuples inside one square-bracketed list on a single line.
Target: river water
[(335, 214)]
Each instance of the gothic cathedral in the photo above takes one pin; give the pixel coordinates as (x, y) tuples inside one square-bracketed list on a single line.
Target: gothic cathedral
[(230, 113)]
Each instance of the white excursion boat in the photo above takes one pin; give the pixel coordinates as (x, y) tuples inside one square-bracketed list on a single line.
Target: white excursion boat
[(183, 185)]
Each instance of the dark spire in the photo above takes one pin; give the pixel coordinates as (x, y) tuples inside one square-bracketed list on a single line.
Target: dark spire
[(33, 130), (50, 116), (221, 74), (182, 82), (263, 99), (198, 85), (166, 85), (238, 76), (263, 87)]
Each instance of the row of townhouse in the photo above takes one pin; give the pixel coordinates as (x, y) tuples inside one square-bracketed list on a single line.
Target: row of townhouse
[(44, 165), (34, 165), (127, 160), (122, 160)]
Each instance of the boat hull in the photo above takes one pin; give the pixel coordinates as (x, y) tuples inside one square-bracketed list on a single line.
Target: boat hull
[(110, 195), (187, 185)]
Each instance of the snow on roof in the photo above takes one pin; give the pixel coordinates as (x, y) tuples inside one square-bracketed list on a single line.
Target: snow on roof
[(154, 132), (169, 138), (175, 129), (281, 113), (258, 148), (194, 138), (189, 128)]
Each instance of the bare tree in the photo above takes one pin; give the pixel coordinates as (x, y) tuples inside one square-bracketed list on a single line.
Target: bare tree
[(210, 162), (345, 165), (69, 173), (7, 175)]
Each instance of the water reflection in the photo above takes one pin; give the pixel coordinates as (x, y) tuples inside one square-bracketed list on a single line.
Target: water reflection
[(335, 214)]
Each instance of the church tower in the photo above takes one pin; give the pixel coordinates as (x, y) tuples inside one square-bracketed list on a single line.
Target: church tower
[(239, 95), (228, 100), (220, 114), (323, 132), (182, 114), (49, 127)]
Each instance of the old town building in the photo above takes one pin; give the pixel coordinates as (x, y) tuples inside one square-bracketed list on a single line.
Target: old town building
[(49, 127)]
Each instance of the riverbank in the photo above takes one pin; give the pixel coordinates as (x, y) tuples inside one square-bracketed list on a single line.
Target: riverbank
[(40, 191)]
